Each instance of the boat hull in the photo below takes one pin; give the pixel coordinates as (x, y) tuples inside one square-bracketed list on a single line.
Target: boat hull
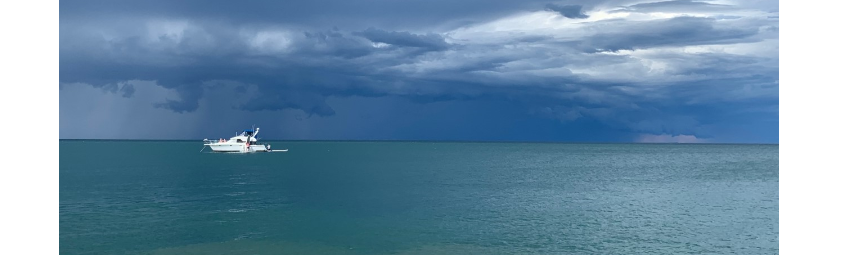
[(236, 147)]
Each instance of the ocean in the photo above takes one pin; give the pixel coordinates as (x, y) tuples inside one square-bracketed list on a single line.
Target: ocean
[(166, 197)]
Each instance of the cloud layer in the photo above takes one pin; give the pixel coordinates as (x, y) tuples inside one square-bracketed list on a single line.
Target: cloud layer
[(632, 69)]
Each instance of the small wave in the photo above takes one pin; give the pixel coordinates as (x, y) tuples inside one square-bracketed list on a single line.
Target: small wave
[(234, 194), (248, 235)]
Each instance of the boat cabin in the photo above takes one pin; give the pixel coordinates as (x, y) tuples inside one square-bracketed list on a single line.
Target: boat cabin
[(247, 134)]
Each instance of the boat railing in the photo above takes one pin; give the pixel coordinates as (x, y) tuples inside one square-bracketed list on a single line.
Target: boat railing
[(208, 141)]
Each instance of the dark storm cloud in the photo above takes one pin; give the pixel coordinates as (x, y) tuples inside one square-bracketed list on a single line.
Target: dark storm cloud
[(428, 41), (284, 55), (350, 15), (127, 90), (679, 31), (568, 11), (311, 103), (190, 94), (333, 43), (181, 65)]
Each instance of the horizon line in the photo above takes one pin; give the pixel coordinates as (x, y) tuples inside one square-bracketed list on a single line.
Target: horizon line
[(423, 140)]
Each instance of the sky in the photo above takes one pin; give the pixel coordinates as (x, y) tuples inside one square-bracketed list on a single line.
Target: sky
[(499, 70)]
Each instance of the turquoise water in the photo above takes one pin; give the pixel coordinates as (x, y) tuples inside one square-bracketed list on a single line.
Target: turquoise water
[(166, 197)]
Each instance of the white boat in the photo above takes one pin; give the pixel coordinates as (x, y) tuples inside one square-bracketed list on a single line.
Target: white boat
[(244, 142)]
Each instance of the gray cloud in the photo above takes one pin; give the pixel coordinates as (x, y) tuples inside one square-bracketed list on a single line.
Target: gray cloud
[(127, 90), (347, 15), (679, 31), (310, 103), (405, 39), (568, 11), (676, 6)]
